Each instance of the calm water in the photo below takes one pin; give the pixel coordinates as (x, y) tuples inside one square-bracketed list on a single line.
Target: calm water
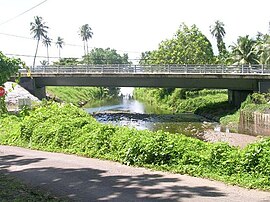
[(133, 113)]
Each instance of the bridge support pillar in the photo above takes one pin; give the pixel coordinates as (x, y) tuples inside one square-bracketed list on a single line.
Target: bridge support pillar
[(30, 85), (236, 97), (264, 86)]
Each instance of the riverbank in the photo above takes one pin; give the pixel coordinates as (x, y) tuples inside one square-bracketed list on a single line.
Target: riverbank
[(68, 129)]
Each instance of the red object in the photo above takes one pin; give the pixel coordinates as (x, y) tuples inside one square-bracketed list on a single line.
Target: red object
[(2, 91)]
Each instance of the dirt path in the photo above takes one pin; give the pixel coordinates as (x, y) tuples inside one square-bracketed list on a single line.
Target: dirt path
[(233, 139), (85, 179)]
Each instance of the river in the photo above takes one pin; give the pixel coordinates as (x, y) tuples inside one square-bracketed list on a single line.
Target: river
[(133, 113)]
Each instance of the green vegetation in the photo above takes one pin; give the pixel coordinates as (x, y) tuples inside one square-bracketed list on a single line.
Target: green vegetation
[(13, 190), (83, 95), (66, 128), (257, 102), (188, 46), (181, 100), (8, 67), (90, 95)]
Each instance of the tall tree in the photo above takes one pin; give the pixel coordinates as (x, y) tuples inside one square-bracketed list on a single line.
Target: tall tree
[(217, 30), (47, 42), (59, 44), (188, 46), (244, 52), (263, 48), (86, 33), (105, 56), (39, 30)]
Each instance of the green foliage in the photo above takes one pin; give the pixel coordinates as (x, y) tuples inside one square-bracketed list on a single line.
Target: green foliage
[(66, 128), (244, 53), (79, 95), (105, 56), (188, 46), (180, 100), (8, 68), (67, 62)]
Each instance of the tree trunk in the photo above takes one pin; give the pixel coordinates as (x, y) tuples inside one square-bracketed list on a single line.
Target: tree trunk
[(48, 55), (35, 54), (59, 54)]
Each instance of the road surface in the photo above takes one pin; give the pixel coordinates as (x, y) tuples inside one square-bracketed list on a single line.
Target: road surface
[(86, 179)]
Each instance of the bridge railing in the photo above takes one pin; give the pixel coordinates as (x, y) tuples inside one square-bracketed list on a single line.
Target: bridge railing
[(146, 69)]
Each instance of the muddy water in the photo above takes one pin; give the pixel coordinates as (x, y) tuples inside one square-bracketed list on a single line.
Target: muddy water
[(133, 113)]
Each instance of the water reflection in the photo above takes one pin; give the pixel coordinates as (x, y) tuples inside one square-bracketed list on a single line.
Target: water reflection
[(133, 113)]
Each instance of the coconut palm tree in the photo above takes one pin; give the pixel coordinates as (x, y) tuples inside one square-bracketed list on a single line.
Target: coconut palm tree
[(263, 49), (86, 33), (59, 43), (39, 30), (47, 42), (217, 30), (244, 52)]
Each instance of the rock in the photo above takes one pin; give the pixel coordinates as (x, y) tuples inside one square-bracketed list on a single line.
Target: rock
[(16, 92)]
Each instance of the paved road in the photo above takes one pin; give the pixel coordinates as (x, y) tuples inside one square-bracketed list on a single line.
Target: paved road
[(85, 179)]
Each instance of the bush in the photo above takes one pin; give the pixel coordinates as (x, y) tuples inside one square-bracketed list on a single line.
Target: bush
[(66, 128)]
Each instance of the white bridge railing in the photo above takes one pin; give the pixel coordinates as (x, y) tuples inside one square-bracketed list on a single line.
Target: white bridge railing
[(146, 69)]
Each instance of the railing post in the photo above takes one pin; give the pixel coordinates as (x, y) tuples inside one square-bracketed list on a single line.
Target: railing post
[(262, 69), (186, 68), (204, 68), (118, 68), (135, 69), (169, 68), (242, 69)]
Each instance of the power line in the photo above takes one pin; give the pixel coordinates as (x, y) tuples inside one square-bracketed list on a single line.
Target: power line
[(57, 57), (66, 44), (13, 18)]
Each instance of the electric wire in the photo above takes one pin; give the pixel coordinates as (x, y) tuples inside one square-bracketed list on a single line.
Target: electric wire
[(13, 18)]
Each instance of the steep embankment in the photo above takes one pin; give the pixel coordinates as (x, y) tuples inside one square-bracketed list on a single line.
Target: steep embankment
[(212, 104), (82, 95)]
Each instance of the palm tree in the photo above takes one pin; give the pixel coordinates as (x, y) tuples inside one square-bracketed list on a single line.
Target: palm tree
[(59, 44), (47, 42), (218, 31), (244, 52), (86, 33), (263, 49), (39, 29)]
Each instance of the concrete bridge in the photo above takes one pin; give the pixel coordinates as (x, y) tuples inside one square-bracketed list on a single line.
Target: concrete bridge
[(239, 80)]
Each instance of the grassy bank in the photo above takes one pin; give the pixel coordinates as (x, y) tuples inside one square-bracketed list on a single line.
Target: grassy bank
[(82, 95), (209, 103), (65, 128), (13, 190)]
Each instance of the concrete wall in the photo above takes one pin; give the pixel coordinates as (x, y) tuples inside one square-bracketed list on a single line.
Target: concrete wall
[(236, 97), (30, 85)]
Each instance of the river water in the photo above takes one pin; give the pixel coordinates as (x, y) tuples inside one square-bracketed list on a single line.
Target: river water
[(133, 113)]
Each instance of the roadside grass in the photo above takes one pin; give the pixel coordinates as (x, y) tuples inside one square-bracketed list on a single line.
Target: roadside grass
[(12, 189), (68, 129)]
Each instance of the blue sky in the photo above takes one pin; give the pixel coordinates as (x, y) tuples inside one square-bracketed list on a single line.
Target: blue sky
[(131, 26)]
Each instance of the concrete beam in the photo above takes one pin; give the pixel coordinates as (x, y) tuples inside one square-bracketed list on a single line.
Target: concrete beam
[(236, 97)]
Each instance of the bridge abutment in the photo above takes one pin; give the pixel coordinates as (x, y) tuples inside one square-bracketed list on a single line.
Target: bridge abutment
[(236, 97), (30, 85)]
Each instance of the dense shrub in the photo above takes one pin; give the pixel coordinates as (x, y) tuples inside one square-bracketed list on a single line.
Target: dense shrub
[(66, 128)]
